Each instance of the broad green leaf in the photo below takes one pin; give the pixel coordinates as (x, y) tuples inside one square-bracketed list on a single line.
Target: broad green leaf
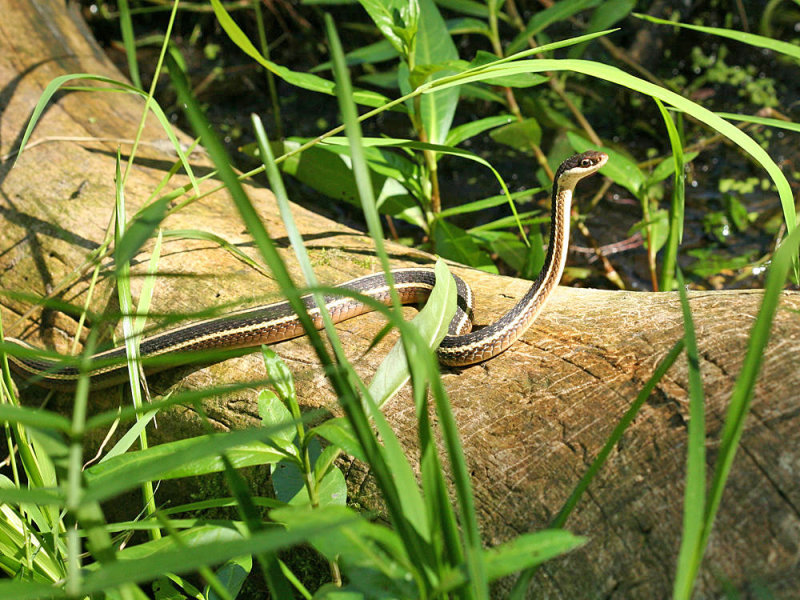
[(397, 20), (338, 431), (279, 375), (276, 417), (183, 458), (232, 575), (508, 247), (456, 244), (474, 91), (659, 227), (289, 484), (519, 135), (329, 171), (326, 461), (467, 7), (287, 479), (379, 157), (439, 148), (306, 81), (466, 25), (387, 80), (710, 262), (332, 489), (435, 46), (432, 323), (326, 172), (535, 256), (473, 128)]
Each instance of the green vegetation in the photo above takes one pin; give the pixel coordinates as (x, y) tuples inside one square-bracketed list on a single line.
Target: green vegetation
[(55, 538)]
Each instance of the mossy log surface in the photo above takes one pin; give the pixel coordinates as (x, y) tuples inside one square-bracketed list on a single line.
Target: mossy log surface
[(531, 420)]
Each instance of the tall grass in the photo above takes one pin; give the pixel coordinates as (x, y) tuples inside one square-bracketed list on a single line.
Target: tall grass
[(55, 540)]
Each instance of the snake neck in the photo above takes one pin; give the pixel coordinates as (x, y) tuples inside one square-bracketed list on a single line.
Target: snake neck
[(532, 302), (558, 246)]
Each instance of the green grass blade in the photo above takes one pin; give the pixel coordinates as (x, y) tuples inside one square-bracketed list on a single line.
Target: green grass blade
[(122, 266), (304, 80), (34, 417), (343, 386), (557, 12), (417, 550), (116, 86), (129, 438), (523, 552), (739, 405), (139, 230), (396, 462), (236, 252), (694, 497), (759, 41), (29, 590), (41, 496), (676, 211), (129, 42), (491, 202), (777, 123), (616, 434)]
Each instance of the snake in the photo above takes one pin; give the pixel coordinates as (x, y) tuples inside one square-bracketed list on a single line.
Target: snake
[(268, 324)]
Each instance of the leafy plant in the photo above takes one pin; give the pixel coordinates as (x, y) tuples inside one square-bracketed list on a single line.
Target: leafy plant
[(52, 513)]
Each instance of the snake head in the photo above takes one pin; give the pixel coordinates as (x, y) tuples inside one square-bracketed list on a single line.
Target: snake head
[(579, 166)]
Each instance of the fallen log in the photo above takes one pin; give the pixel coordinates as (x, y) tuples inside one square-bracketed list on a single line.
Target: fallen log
[(531, 420)]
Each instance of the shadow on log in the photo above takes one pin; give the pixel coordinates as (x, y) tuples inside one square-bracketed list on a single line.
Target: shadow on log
[(531, 420)]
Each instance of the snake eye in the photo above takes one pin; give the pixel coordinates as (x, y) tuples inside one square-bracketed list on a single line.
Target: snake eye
[(586, 163)]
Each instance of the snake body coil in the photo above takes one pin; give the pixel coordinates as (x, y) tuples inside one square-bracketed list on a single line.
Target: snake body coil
[(277, 322)]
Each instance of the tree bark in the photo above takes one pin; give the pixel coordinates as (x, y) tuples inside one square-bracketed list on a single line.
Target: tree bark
[(531, 419)]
